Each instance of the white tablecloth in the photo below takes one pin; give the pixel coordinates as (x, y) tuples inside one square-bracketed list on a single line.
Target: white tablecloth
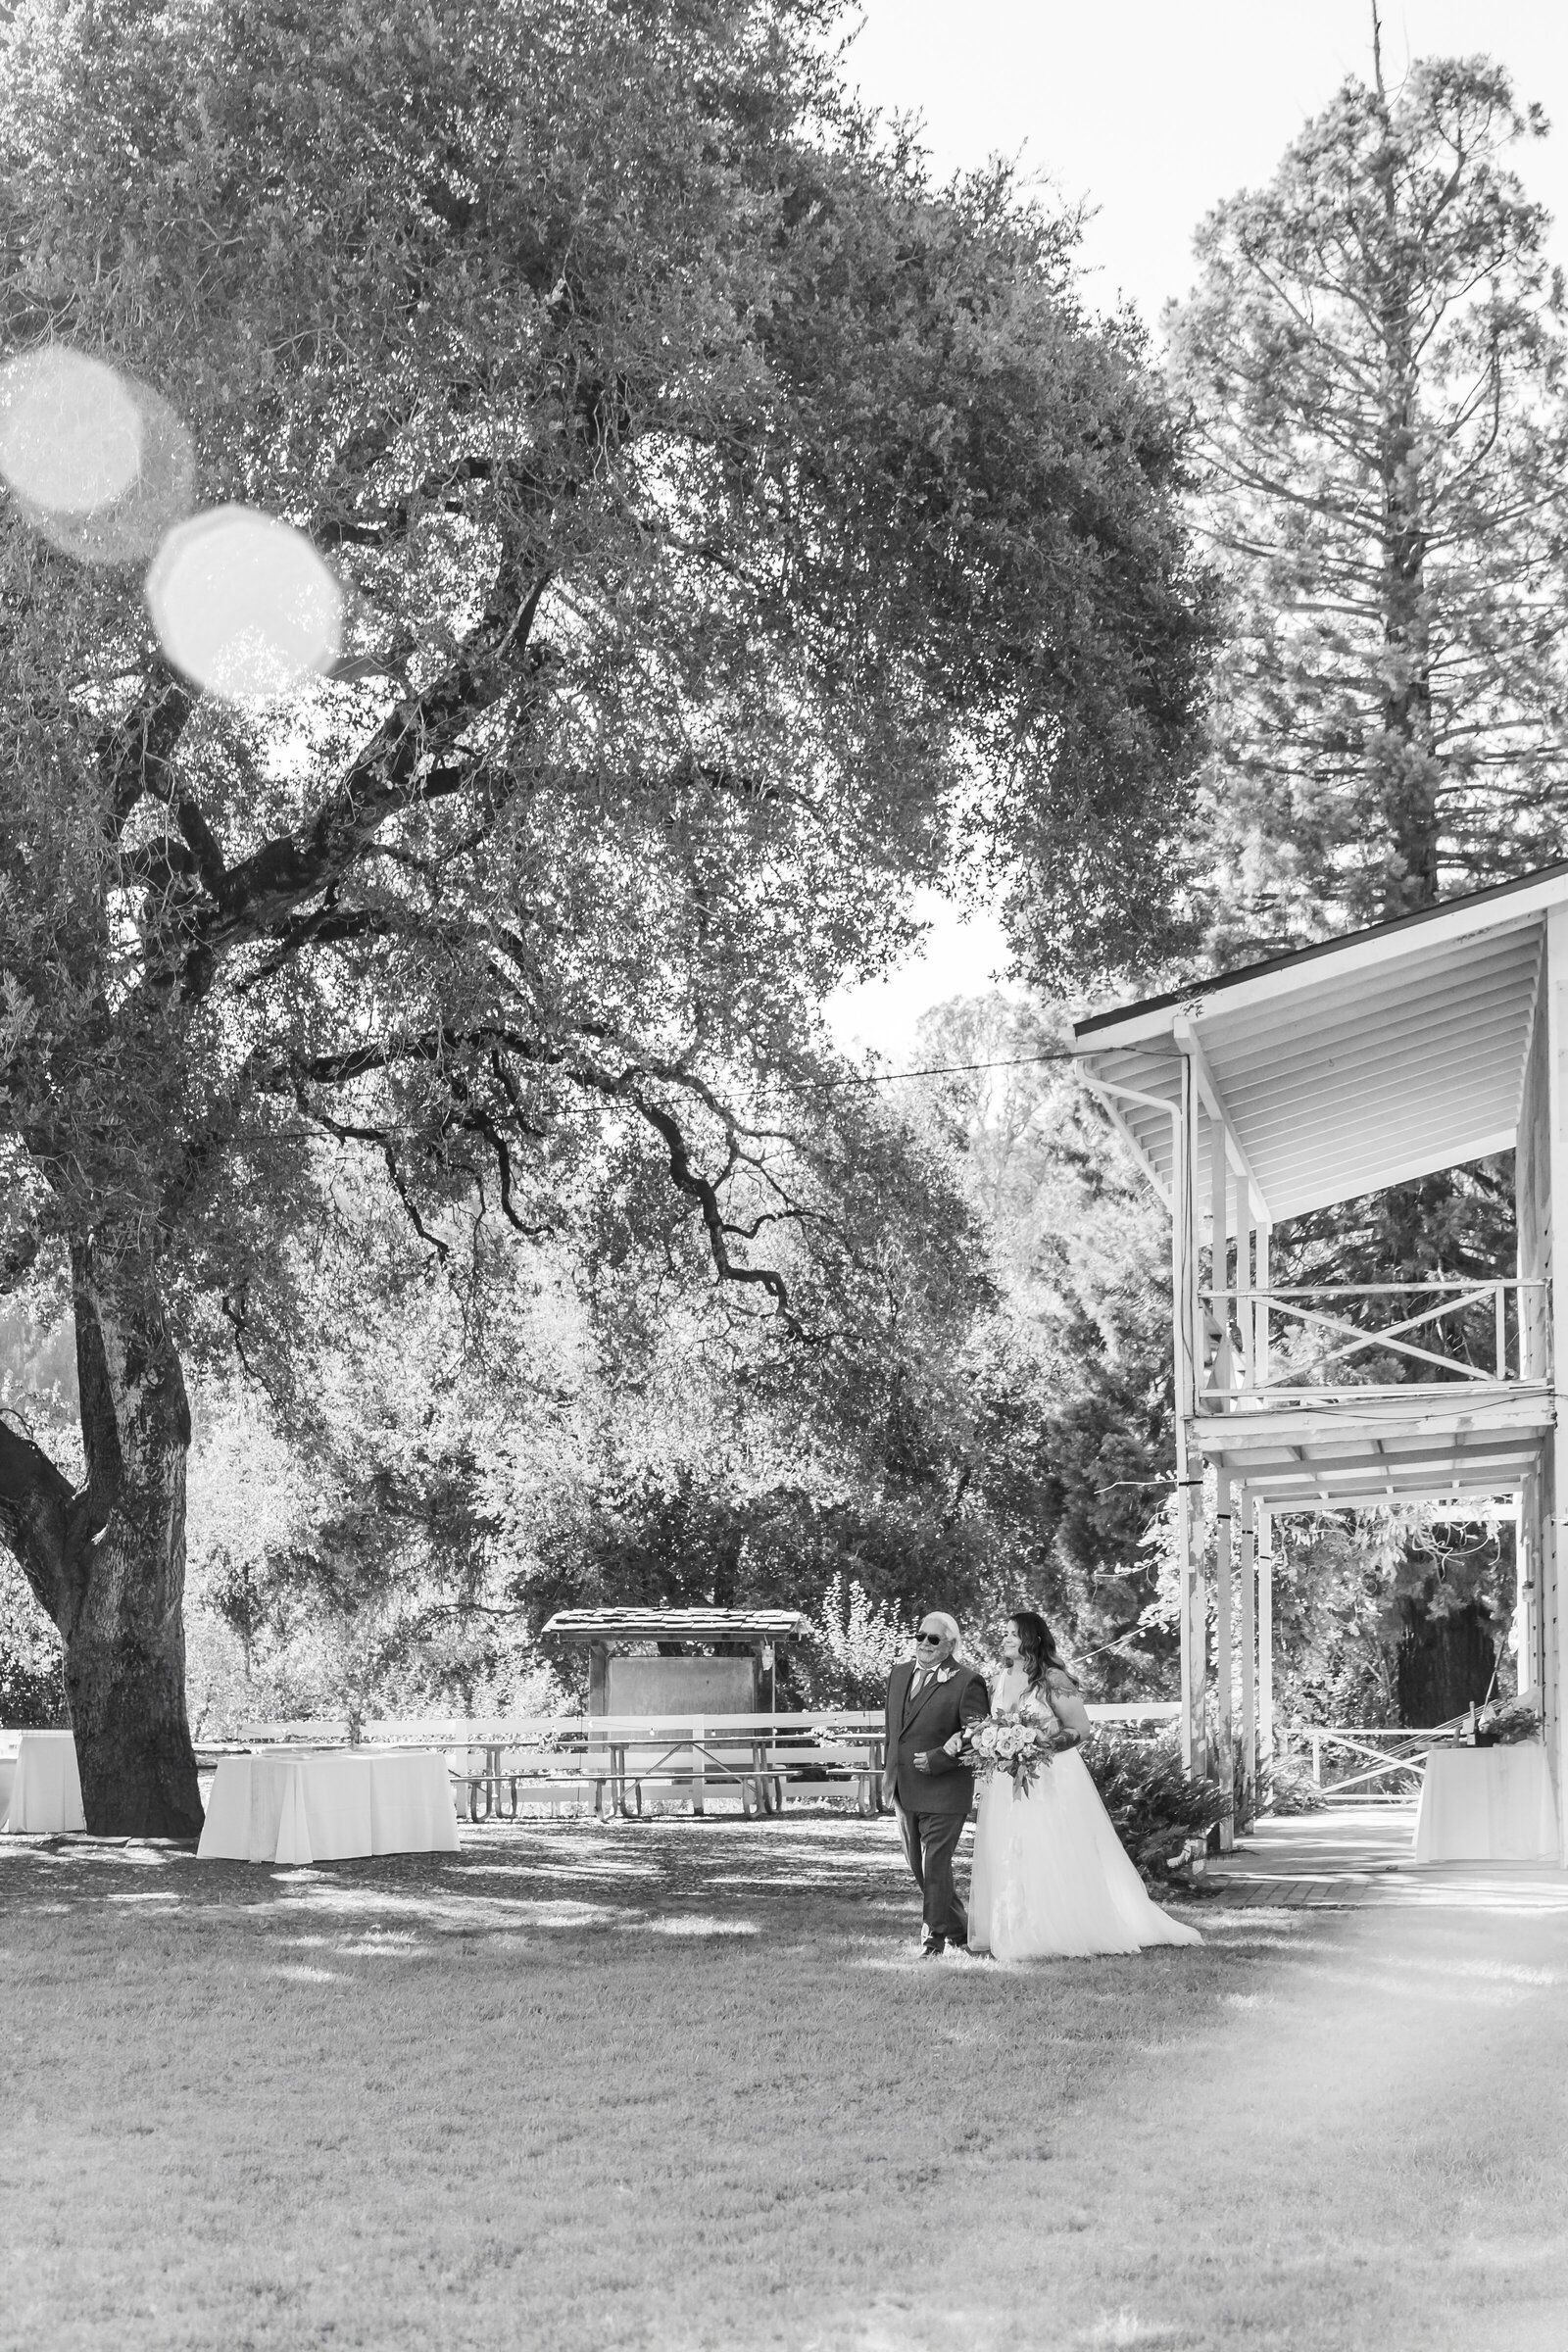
[(45, 1788), (294, 1805), (1487, 1805)]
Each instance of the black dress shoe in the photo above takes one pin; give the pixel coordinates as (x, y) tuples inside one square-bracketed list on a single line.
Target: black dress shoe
[(933, 1947)]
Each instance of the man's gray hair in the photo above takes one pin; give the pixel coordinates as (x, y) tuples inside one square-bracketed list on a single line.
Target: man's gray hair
[(948, 1625)]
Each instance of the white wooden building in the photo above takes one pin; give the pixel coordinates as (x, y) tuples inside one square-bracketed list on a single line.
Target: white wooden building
[(1288, 1085)]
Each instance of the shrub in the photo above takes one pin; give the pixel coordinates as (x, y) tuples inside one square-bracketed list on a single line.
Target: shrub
[(855, 1641), (1155, 1805), (1281, 1788), (32, 1685)]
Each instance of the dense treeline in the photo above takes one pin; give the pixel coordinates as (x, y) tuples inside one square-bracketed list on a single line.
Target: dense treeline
[(738, 541)]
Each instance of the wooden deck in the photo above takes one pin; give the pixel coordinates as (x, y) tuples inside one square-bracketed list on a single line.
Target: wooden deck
[(1339, 1858)]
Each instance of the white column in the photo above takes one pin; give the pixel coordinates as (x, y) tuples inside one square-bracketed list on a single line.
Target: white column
[(1219, 1189), (1266, 1635), (1249, 1649), (1527, 1573), (1224, 1646), (1554, 1547), (1189, 1378)]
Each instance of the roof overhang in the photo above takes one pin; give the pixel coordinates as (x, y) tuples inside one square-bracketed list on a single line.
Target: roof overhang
[(676, 1625), (1347, 1067)]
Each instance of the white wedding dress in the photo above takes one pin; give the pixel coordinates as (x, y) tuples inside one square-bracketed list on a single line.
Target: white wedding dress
[(1050, 1876)]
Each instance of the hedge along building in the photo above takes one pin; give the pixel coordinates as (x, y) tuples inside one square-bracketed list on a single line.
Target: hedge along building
[(1417, 1046)]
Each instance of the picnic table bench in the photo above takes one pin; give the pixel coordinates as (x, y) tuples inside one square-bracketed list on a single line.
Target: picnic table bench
[(608, 1761)]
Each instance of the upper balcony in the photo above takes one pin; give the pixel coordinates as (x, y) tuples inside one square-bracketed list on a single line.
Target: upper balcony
[(1323, 1076), (1273, 1349), (1359, 1393)]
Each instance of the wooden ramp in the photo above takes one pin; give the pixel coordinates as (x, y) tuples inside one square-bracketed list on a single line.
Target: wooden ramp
[(1338, 1858)]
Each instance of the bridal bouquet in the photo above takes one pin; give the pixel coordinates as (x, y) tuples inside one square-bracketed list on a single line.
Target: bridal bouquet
[(1003, 1744)]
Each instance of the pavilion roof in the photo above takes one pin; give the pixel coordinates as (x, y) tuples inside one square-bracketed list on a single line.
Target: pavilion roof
[(676, 1625), (1350, 1065)]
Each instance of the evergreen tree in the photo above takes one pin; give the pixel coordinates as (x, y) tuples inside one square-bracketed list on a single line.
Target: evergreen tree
[(1374, 364), (1373, 360)]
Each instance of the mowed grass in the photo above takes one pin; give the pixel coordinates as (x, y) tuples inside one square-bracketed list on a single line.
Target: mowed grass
[(682, 2084)]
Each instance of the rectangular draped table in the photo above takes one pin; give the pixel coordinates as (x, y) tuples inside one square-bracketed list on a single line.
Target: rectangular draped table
[(1487, 1805), (45, 1785), (293, 1805)]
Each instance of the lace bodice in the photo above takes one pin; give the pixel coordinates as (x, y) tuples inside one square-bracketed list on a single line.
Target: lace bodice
[(1014, 1697)]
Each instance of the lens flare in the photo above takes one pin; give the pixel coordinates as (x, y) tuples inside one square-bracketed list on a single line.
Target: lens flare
[(244, 604), (69, 432), (98, 463)]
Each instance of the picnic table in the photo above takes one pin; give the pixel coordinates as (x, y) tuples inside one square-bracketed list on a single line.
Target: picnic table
[(609, 1762)]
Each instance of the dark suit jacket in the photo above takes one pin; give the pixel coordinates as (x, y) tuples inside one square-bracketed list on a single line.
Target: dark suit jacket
[(946, 1787)]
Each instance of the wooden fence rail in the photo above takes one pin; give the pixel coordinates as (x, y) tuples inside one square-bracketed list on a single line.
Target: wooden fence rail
[(1396, 1757)]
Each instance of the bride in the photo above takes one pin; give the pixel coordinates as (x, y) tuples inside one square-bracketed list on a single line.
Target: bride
[(1051, 1875)]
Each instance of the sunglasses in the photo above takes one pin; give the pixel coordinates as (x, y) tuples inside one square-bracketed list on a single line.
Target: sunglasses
[(933, 1639)]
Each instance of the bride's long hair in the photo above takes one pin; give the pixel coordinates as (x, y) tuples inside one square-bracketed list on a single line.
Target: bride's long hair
[(1037, 1644)]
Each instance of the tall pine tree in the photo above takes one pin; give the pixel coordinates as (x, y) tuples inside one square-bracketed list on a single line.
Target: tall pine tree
[(1373, 358)]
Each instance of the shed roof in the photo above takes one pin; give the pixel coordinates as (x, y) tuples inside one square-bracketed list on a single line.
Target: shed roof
[(1356, 1063), (676, 1625)]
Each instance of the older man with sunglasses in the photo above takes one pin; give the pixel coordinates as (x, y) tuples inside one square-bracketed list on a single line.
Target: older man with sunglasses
[(929, 1698)]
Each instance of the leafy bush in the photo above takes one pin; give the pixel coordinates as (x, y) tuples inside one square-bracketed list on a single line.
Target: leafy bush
[(1506, 1725), (1154, 1805), (855, 1642), (1281, 1788), (33, 1688)]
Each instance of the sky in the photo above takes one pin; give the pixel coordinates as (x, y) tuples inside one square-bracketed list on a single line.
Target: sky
[(1150, 111)]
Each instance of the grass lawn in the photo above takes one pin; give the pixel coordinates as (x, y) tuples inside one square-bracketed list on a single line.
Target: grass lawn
[(677, 2084)]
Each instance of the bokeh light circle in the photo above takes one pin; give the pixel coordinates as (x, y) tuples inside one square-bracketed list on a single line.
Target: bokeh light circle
[(98, 461), (244, 604)]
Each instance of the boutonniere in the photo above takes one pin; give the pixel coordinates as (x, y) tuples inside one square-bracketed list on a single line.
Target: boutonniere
[(945, 1674)]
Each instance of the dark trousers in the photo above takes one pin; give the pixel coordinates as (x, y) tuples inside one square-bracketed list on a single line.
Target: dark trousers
[(930, 1842)]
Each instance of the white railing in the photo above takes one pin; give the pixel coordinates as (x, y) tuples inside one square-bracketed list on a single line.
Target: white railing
[(1394, 1759), (1244, 1358)]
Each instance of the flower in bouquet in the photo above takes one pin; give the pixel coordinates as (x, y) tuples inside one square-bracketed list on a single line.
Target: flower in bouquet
[(1004, 1744), (1507, 1722)]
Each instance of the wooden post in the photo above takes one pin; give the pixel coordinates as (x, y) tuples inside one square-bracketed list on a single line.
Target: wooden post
[(1224, 1650), (1220, 1188), (1527, 1556), (1248, 1640), (1246, 1279), (1188, 1371), (1265, 1636), (1555, 1517)]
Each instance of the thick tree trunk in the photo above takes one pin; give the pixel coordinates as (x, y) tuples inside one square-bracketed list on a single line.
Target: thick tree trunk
[(1444, 1664), (108, 1561)]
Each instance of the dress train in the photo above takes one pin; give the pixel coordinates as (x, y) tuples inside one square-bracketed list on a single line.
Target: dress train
[(1050, 1876)]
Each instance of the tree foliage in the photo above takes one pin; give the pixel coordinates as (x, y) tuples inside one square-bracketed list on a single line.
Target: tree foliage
[(1374, 361), (737, 527)]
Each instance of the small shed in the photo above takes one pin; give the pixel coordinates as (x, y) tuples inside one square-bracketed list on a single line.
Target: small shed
[(708, 1661)]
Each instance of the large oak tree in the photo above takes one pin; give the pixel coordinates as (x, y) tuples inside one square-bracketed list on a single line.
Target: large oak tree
[(737, 528)]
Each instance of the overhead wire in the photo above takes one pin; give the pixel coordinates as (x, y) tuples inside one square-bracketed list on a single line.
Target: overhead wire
[(950, 1069)]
